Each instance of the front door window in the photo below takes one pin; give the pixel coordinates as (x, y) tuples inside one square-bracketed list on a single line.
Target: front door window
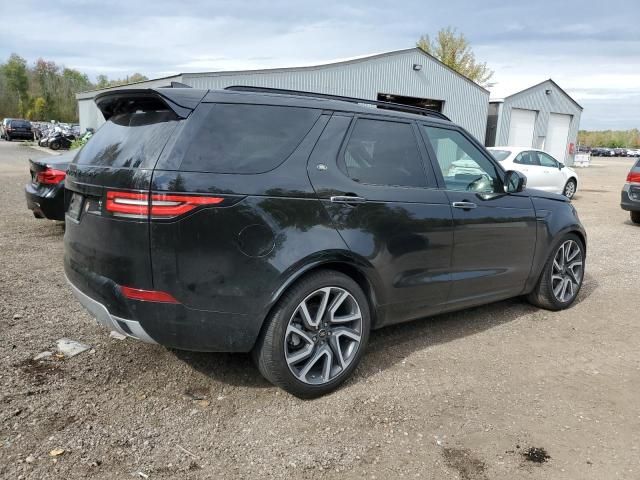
[(463, 165)]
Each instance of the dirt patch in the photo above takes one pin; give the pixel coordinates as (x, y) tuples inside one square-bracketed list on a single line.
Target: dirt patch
[(536, 455), (465, 463), (39, 370)]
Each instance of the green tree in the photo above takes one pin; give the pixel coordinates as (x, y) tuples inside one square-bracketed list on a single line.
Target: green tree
[(137, 77), (17, 80), (454, 50), (102, 81), (46, 76), (45, 90), (610, 138)]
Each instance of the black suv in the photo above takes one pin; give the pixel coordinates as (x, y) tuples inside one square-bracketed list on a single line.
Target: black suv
[(18, 129), (290, 224)]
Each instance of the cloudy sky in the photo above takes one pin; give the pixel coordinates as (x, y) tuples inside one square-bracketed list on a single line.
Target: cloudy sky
[(590, 47)]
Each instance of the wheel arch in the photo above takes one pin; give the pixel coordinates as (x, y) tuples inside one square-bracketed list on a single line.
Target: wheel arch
[(358, 270)]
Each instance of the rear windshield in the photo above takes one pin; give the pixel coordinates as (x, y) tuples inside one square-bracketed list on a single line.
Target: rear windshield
[(20, 124), (500, 155), (238, 138), (129, 140)]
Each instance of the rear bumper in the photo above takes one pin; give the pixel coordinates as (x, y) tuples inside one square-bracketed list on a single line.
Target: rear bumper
[(48, 203), (171, 325), (130, 328), (22, 135), (630, 197)]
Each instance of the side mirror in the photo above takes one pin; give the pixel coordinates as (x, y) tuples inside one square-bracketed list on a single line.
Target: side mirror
[(514, 182), (560, 165)]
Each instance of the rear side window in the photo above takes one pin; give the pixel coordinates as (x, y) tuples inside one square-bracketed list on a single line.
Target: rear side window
[(383, 153), (527, 158), (238, 138), (129, 140), (500, 155)]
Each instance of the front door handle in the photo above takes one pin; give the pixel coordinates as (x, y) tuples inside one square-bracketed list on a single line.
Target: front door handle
[(347, 199), (464, 205)]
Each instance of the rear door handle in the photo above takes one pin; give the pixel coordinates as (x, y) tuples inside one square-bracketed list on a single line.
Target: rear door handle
[(347, 199), (464, 205)]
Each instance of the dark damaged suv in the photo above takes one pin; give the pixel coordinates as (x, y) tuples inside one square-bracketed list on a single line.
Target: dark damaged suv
[(290, 224)]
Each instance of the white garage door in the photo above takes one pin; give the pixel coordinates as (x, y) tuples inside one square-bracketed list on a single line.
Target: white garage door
[(521, 127), (558, 135)]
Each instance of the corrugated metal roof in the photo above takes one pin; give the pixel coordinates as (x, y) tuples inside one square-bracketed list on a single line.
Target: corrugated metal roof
[(350, 61)]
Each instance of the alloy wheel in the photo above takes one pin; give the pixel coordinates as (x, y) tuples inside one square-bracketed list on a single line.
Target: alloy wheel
[(323, 335), (567, 271), (570, 189)]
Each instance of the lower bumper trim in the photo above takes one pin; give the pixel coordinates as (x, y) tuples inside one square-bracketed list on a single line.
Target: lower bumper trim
[(130, 328)]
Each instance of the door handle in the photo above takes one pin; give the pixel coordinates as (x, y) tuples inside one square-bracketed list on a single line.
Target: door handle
[(347, 199), (464, 205)]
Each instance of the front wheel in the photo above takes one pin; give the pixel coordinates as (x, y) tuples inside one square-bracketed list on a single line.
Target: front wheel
[(635, 217), (54, 145), (570, 189), (315, 336), (562, 276), (7, 137)]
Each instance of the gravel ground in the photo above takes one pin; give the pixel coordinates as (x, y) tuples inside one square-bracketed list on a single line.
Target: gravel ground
[(461, 395)]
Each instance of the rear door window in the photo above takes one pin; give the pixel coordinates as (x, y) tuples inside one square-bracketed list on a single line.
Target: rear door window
[(239, 138), (383, 153), (500, 155), (129, 140)]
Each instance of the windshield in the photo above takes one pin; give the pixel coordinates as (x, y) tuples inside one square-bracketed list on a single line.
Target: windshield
[(20, 124), (500, 155)]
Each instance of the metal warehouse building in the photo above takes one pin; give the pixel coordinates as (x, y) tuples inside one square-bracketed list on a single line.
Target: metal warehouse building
[(542, 116), (408, 76)]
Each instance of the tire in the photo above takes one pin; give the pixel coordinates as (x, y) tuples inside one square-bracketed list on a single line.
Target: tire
[(543, 294), (54, 145), (635, 217), (279, 343), (570, 188), (8, 138)]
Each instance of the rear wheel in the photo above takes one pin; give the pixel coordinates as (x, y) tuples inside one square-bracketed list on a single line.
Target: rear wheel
[(315, 336), (54, 145), (570, 188), (562, 276), (635, 217), (7, 137)]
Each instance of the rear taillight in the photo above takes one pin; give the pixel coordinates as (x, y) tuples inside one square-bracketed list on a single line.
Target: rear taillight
[(633, 177), (158, 205), (147, 295), (50, 176)]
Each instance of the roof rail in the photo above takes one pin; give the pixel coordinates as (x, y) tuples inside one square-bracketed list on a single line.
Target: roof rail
[(388, 105)]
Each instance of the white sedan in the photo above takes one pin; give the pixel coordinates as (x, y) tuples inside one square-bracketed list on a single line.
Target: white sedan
[(542, 170)]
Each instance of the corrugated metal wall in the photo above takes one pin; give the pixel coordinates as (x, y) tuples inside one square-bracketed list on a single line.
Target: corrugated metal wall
[(464, 102), (536, 99)]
